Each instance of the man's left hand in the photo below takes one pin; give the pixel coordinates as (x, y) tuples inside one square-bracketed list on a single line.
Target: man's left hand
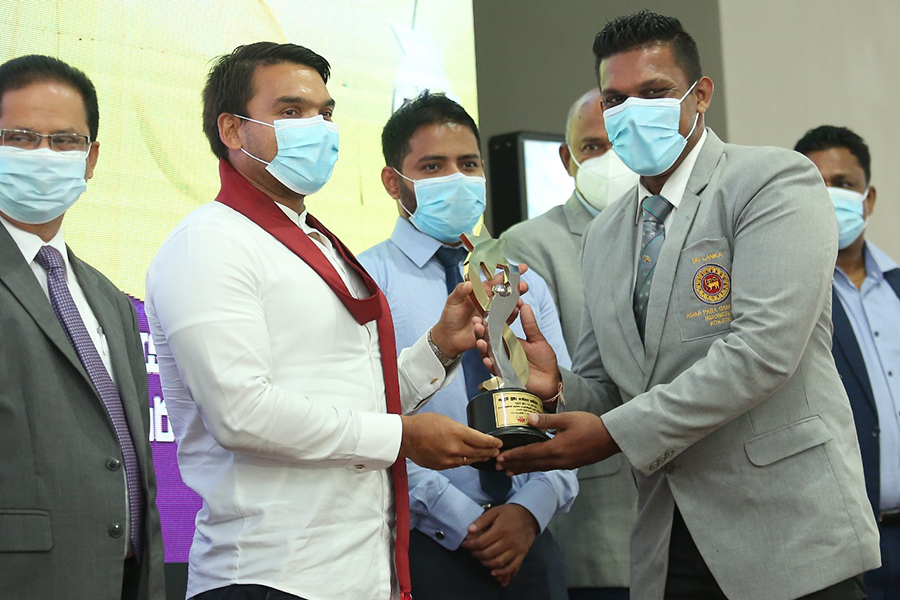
[(581, 439), (500, 539)]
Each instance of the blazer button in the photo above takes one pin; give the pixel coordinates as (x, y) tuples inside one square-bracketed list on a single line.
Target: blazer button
[(116, 530), (113, 464), (668, 468), (654, 466), (439, 535), (669, 453), (875, 432)]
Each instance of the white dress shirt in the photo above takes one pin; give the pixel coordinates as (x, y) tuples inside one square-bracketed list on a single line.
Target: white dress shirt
[(276, 396), (30, 244), (672, 191)]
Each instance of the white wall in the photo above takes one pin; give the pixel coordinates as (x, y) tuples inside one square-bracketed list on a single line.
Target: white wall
[(792, 65)]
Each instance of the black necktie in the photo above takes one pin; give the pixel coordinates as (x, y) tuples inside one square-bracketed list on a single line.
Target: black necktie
[(655, 210), (496, 485)]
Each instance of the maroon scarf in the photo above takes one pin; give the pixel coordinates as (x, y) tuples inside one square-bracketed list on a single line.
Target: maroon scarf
[(237, 193)]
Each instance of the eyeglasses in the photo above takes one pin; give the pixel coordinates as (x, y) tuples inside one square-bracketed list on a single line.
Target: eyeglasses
[(29, 140)]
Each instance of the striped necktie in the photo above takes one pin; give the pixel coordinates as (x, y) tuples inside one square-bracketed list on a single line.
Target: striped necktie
[(655, 210)]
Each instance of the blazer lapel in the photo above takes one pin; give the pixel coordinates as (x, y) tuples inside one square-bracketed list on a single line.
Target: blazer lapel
[(845, 342), (664, 278), (623, 287), (18, 277), (577, 216), (114, 333)]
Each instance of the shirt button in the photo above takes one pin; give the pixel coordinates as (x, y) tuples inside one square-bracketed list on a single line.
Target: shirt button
[(890, 373), (876, 334), (439, 535), (116, 530), (359, 467), (113, 464)]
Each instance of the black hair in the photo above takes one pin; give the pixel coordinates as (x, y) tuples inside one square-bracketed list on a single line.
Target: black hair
[(425, 109), (646, 29), (21, 72), (826, 137), (229, 85)]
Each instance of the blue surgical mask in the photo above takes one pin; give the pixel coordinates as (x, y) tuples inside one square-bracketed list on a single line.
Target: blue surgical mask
[(307, 151), (447, 207), (850, 212), (36, 186), (644, 132)]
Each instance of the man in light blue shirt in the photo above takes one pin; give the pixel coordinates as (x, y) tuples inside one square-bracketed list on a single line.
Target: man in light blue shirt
[(476, 534), (866, 316)]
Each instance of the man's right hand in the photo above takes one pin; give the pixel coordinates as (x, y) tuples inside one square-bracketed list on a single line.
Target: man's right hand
[(437, 442), (543, 376)]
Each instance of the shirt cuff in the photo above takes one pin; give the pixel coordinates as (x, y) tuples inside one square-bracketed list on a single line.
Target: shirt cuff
[(447, 520), (539, 498), (379, 441), (424, 372)]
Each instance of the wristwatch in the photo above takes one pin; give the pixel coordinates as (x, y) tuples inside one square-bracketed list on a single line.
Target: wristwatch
[(445, 360)]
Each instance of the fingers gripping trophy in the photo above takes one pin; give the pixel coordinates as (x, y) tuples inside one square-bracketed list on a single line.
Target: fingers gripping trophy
[(503, 406)]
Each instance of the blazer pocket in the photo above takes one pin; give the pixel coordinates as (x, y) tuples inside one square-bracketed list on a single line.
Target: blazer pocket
[(23, 530), (778, 444), (604, 468), (703, 289)]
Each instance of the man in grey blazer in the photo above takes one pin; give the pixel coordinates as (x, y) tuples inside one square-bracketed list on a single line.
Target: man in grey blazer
[(710, 360), (78, 516), (594, 534)]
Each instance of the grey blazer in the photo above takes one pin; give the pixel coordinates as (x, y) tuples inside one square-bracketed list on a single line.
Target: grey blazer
[(594, 534), (733, 408), (58, 499)]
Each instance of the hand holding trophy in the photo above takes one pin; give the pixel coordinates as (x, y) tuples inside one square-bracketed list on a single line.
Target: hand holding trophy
[(502, 408)]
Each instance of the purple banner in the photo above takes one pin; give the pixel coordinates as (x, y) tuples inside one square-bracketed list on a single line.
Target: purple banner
[(178, 504)]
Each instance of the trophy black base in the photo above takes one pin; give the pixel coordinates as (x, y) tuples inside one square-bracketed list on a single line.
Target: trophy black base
[(503, 413)]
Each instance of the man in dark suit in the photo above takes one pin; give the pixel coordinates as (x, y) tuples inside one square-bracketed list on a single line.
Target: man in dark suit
[(78, 516), (866, 316)]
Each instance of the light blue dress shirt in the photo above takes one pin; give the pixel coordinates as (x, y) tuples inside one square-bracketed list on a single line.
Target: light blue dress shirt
[(406, 268), (874, 313)]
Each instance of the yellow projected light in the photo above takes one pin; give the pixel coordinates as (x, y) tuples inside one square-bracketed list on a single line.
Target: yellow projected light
[(149, 61)]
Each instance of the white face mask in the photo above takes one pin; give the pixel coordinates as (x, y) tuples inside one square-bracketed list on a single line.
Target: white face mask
[(603, 179)]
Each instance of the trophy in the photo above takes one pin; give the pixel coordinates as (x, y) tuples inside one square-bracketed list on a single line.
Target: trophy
[(502, 408)]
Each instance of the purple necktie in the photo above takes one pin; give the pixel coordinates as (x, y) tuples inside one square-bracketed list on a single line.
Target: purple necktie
[(67, 313)]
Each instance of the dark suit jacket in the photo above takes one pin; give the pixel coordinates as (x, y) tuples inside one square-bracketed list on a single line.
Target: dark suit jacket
[(58, 499), (852, 367)]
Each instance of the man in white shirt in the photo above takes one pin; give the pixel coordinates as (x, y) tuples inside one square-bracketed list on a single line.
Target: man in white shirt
[(78, 514), (278, 364)]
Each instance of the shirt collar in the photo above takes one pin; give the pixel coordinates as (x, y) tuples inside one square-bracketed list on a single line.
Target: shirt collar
[(591, 210), (299, 219), (417, 246), (877, 262), (30, 244), (673, 189)]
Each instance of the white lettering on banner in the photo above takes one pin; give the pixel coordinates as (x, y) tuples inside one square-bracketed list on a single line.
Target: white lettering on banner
[(160, 428)]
